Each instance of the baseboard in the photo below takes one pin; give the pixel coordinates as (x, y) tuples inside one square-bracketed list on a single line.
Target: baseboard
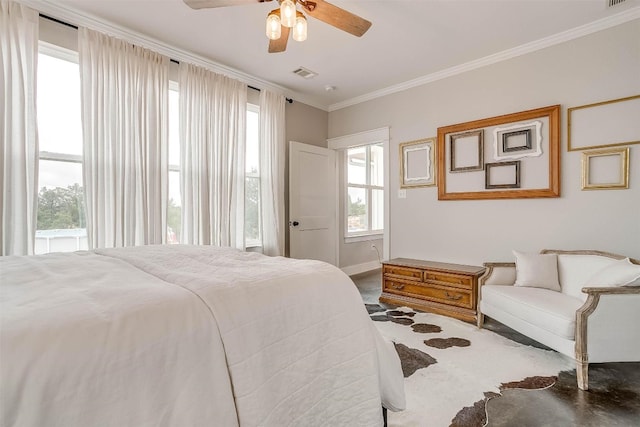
[(360, 268)]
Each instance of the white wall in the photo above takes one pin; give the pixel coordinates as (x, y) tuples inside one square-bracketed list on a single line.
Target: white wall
[(304, 124), (597, 67)]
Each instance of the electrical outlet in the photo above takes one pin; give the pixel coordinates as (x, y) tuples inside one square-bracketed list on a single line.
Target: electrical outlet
[(373, 247)]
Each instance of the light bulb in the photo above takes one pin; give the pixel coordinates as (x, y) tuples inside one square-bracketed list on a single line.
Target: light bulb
[(300, 29), (288, 13), (274, 31)]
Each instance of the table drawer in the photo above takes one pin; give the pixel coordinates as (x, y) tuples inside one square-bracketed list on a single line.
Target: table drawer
[(449, 278), (403, 272), (443, 294)]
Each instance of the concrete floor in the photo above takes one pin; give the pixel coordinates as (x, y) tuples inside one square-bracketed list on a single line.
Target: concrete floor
[(613, 398)]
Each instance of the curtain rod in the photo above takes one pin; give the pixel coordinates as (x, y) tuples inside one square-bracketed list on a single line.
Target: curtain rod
[(175, 61)]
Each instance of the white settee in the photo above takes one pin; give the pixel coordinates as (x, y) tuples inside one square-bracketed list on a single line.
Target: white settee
[(591, 312)]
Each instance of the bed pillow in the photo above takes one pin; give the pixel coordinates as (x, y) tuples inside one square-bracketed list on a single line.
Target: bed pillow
[(537, 270), (620, 273)]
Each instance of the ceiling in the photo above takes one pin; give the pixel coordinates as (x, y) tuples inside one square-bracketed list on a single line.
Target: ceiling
[(410, 40)]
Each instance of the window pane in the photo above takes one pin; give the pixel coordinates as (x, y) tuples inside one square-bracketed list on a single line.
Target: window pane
[(58, 104), (356, 165), (377, 166), (252, 210), (252, 203), (174, 128), (61, 219), (377, 209), (174, 210), (253, 142), (357, 210)]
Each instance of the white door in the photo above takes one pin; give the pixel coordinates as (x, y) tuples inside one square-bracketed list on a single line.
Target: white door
[(312, 203)]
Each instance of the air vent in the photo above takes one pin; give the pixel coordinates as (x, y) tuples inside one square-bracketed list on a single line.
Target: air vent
[(612, 3), (308, 74)]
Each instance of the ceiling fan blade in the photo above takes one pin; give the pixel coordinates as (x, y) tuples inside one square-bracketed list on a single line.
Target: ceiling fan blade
[(280, 45), (339, 18), (204, 4)]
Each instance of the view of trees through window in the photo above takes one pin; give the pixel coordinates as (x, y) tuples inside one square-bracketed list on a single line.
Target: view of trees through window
[(61, 208)]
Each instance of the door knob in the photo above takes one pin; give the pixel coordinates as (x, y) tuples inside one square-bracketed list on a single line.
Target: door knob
[(295, 223)]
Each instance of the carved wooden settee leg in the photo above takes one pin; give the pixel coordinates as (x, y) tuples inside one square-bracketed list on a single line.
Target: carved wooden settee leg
[(582, 372), (480, 320), (582, 353)]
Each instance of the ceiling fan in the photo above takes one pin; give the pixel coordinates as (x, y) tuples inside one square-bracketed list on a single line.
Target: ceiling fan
[(286, 19)]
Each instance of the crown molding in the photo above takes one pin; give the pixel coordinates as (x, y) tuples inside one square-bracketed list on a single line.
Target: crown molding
[(574, 33), (81, 19)]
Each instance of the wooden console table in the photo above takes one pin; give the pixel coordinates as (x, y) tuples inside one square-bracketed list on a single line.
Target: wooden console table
[(448, 289)]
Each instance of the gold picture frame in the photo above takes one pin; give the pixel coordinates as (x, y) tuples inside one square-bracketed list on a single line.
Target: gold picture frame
[(541, 174), (418, 163), (605, 169), (612, 123)]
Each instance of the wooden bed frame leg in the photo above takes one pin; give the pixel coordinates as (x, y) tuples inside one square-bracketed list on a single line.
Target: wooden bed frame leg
[(384, 416), (480, 320), (582, 373)]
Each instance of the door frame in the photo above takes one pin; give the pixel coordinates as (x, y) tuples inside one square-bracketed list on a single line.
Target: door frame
[(341, 143)]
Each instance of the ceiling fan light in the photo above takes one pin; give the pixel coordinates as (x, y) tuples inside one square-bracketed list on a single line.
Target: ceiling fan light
[(274, 29), (288, 13), (300, 28)]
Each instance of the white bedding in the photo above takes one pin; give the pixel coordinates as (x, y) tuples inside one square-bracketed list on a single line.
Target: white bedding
[(184, 336)]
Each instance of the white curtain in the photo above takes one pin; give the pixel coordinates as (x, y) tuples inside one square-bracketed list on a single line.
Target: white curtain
[(125, 92), (213, 112), (18, 126), (272, 147)]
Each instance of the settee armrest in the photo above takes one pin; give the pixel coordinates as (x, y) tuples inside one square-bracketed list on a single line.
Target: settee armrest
[(498, 273), (606, 327)]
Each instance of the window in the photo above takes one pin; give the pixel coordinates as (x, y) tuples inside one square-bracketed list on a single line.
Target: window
[(252, 206), (174, 208), (61, 225), (365, 190)]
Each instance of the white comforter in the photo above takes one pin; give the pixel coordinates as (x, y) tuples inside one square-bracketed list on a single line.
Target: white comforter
[(184, 336)]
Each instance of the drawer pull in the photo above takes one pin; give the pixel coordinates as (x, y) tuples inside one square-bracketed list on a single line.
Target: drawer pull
[(397, 286), (452, 297), (451, 280)]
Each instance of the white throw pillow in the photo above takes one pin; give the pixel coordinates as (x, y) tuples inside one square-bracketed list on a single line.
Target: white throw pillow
[(620, 273), (537, 270)]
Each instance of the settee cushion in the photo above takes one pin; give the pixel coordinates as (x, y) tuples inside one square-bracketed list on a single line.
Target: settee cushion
[(537, 270), (619, 273), (554, 312), (574, 270)]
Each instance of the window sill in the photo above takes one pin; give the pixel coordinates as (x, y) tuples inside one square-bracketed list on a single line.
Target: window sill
[(363, 238), (253, 246)]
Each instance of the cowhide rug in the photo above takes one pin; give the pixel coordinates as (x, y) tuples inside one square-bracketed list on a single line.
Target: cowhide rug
[(452, 368)]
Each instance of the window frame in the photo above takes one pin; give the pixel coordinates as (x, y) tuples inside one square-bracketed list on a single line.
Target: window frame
[(369, 234), (64, 54)]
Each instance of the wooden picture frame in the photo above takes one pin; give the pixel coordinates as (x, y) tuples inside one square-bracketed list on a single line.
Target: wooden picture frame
[(605, 169), (542, 177), (511, 168), (516, 140), (604, 124), (467, 151), (418, 163)]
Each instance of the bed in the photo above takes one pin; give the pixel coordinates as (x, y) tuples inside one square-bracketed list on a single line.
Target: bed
[(188, 336)]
